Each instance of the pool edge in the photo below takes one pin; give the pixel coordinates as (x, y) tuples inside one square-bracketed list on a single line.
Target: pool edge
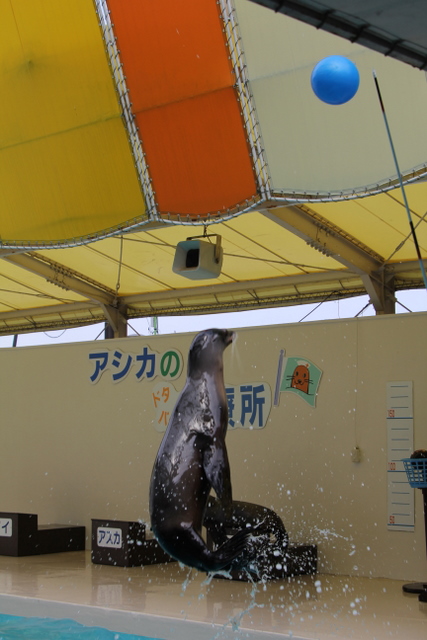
[(132, 622)]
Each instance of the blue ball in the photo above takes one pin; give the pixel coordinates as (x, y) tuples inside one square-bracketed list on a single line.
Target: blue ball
[(335, 80)]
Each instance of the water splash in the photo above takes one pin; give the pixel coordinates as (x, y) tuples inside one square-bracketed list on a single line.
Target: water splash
[(187, 581), (329, 533), (235, 621), (214, 574), (235, 353)]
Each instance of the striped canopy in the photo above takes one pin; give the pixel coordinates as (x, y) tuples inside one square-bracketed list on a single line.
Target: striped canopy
[(125, 123)]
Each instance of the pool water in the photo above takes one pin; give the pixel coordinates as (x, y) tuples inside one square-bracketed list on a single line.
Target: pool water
[(20, 628)]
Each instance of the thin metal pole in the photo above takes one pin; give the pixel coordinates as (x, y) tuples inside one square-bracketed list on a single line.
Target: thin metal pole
[(408, 211), (279, 378)]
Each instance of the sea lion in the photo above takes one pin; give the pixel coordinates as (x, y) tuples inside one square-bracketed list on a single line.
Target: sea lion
[(192, 460)]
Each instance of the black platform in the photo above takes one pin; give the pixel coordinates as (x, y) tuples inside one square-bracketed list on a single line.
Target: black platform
[(21, 535), (124, 544), (298, 560)]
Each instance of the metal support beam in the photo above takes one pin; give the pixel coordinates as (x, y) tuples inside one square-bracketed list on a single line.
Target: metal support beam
[(228, 288), (329, 239), (380, 288), (51, 310), (333, 242), (62, 277), (72, 281), (329, 17), (116, 322)]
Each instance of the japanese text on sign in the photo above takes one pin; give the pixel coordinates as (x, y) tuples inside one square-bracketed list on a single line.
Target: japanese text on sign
[(143, 366), (109, 537), (5, 528), (248, 405), (164, 397)]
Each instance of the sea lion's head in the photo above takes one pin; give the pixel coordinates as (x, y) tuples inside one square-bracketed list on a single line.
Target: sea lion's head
[(207, 348)]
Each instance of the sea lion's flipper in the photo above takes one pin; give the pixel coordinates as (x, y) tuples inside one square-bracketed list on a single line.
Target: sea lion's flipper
[(217, 470)]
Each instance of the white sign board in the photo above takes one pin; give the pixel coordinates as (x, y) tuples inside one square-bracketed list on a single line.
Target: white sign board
[(400, 444)]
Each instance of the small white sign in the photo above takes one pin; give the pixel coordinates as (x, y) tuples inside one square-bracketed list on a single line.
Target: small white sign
[(5, 527), (109, 537), (400, 502)]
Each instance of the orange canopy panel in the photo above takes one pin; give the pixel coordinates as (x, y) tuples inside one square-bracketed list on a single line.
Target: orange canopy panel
[(181, 87)]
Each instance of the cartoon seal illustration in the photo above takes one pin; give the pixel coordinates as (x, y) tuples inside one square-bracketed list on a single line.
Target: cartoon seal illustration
[(301, 378), (192, 460)]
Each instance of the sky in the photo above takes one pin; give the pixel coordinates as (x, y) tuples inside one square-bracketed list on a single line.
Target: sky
[(408, 301)]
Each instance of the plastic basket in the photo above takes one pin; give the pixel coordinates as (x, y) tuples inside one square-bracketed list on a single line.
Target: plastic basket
[(416, 470)]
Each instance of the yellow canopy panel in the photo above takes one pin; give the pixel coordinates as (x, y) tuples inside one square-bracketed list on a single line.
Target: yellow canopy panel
[(65, 166)]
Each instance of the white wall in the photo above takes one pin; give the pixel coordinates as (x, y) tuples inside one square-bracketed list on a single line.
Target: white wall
[(72, 450)]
